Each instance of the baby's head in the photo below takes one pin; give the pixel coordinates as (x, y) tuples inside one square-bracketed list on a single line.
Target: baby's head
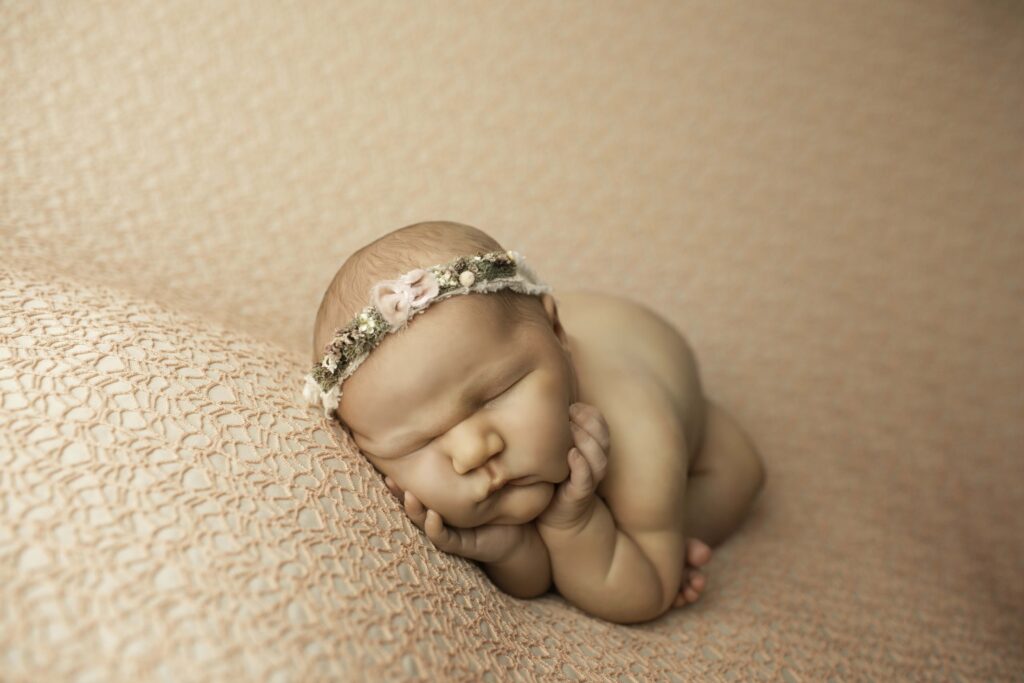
[(472, 393)]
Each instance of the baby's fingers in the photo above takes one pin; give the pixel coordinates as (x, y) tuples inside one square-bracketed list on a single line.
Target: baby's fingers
[(581, 478), (591, 450), (444, 538), (393, 487), (573, 502), (590, 419), (415, 510)]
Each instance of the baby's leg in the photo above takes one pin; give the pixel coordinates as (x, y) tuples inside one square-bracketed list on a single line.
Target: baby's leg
[(724, 479)]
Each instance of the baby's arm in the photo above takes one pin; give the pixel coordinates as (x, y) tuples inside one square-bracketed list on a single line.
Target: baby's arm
[(526, 572), (513, 555), (596, 565), (602, 570)]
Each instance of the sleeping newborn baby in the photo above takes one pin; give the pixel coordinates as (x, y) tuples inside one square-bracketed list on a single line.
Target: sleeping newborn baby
[(562, 442)]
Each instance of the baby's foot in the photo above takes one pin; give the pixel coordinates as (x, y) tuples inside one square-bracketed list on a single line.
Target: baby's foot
[(697, 554)]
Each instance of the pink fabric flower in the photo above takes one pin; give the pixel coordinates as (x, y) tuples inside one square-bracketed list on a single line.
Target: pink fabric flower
[(396, 299)]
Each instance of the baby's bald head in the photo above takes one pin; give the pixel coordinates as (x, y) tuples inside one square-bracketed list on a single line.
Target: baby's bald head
[(415, 246)]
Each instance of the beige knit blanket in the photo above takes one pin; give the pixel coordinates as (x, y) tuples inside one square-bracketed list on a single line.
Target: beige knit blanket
[(825, 198)]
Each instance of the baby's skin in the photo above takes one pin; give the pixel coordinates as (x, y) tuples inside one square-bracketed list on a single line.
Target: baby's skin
[(575, 450)]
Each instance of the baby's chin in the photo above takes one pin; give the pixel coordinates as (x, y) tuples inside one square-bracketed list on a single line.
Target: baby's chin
[(523, 505)]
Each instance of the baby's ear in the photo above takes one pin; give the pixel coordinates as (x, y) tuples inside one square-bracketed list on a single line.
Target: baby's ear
[(550, 307), (551, 311)]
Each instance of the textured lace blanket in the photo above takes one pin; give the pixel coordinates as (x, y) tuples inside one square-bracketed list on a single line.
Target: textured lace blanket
[(826, 201)]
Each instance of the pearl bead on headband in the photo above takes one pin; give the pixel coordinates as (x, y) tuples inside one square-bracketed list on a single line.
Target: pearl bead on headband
[(395, 302)]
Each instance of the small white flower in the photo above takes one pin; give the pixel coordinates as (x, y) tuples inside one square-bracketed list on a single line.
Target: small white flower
[(446, 278), (330, 362), (467, 278), (311, 391)]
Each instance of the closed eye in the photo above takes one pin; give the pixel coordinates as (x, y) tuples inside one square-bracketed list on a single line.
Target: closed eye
[(495, 397), (509, 388), (427, 442)]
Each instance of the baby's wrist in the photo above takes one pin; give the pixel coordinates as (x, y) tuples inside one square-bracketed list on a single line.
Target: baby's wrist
[(526, 572), (513, 551), (555, 526)]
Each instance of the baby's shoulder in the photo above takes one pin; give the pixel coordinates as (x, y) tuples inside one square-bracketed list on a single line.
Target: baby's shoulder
[(624, 326), (590, 307), (628, 334), (608, 346)]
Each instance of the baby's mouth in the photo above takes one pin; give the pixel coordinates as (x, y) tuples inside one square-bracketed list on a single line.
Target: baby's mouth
[(498, 485)]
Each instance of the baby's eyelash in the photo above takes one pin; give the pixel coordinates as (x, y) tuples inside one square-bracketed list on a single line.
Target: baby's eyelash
[(427, 442), (506, 389)]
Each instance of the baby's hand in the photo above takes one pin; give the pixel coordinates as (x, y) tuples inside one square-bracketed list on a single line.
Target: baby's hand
[(573, 502), (488, 543)]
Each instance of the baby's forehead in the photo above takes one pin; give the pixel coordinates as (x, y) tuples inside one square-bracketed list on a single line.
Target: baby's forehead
[(425, 369), (455, 334), (471, 317)]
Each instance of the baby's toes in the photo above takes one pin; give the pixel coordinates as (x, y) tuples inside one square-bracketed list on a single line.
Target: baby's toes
[(697, 552), (693, 586), (697, 582)]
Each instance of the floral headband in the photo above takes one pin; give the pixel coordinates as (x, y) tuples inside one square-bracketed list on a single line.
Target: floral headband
[(395, 302)]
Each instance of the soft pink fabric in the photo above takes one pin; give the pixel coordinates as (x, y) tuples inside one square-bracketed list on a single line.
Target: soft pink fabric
[(396, 299)]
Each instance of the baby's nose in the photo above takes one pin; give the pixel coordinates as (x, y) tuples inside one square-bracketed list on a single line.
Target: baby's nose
[(471, 453)]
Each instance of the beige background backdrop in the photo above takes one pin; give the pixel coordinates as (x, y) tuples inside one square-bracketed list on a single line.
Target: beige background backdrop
[(825, 199)]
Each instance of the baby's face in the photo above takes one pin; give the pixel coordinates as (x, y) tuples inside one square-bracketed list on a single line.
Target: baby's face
[(468, 410)]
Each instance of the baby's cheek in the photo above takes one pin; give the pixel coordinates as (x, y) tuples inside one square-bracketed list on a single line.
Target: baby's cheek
[(559, 442), (429, 485), (431, 478), (440, 491)]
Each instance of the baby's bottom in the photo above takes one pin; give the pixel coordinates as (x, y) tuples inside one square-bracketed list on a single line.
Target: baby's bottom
[(725, 477)]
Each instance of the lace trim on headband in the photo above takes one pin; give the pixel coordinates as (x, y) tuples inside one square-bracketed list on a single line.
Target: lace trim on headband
[(395, 302)]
